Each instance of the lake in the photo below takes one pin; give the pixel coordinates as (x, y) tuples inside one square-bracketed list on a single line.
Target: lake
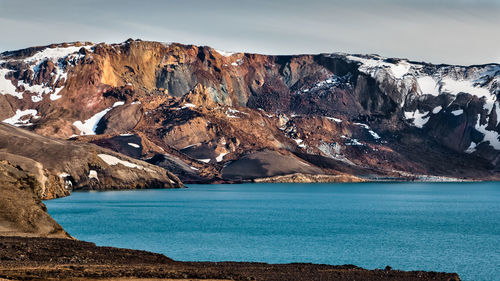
[(452, 227)]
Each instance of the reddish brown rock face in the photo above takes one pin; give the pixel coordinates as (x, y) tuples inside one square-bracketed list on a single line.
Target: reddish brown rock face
[(196, 111), (59, 166)]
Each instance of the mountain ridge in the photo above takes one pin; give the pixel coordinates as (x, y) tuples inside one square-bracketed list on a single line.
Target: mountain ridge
[(361, 115), (40, 47)]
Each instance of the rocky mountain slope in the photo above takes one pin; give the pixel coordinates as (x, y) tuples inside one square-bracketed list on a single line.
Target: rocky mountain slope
[(211, 116), (22, 213), (58, 166)]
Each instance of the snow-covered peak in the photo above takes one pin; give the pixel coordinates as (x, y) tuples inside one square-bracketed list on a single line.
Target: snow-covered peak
[(225, 53), (371, 64), (55, 54), (480, 81)]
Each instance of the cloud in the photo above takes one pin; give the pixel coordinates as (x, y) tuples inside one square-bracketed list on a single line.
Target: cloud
[(439, 31)]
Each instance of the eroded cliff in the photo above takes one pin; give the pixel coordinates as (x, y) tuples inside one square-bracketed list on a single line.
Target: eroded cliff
[(201, 112)]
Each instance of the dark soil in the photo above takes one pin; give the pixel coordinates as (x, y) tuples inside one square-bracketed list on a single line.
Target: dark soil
[(64, 259)]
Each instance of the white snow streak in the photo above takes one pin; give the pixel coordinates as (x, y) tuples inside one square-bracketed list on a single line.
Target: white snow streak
[(134, 145), (334, 119), (112, 160), (18, 120), (88, 126)]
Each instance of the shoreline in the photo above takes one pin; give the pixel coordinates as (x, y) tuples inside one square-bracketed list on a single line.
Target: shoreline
[(62, 257), (23, 258)]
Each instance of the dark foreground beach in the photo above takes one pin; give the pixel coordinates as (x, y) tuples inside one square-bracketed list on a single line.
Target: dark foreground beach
[(23, 258)]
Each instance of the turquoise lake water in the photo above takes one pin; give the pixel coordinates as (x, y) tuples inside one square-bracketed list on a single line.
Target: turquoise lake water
[(452, 227)]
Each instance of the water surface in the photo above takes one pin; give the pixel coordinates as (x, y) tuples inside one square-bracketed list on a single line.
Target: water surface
[(452, 227)]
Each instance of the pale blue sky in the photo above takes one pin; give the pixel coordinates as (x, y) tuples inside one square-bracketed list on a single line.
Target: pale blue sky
[(438, 31)]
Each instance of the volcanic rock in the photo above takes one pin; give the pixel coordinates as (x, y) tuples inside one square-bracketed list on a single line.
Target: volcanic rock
[(371, 116), (60, 166)]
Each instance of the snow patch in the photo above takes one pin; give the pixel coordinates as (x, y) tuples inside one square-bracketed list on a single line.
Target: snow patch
[(231, 115), (370, 131), (204, 160), (401, 69), (300, 143), (111, 160), (225, 53), (419, 119), (53, 54), (334, 80), (237, 63), (221, 156), (371, 65), (63, 175), (428, 86), (18, 120), (191, 145), (188, 105), (334, 119), (89, 126), (471, 148), (56, 55), (457, 112), (437, 109), (134, 145), (455, 87), (93, 175), (352, 142), (491, 137), (55, 95), (6, 86), (38, 90), (374, 135), (497, 111)]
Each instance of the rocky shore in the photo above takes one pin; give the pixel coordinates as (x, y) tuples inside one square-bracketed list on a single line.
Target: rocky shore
[(64, 259), (305, 178)]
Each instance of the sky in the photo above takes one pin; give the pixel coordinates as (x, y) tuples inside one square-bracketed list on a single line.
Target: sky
[(437, 31)]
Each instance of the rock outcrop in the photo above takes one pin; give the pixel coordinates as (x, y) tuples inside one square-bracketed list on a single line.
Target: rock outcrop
[(22, 213), (120, 120), (59, 166), (308, 178), (196, 109)]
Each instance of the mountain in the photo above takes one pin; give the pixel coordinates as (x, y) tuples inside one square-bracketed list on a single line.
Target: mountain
[(214, 116), (58, 166)]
